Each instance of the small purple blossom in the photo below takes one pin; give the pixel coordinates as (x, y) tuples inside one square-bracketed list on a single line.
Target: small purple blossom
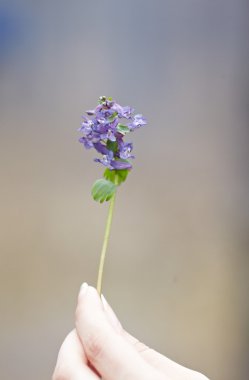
[(86, 126), (87, 143), (106, 159), (123, 112), (125, 150), (138, 121), (104, 130)]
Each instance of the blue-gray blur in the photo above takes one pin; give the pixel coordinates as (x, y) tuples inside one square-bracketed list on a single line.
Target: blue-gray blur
[(177, 265)]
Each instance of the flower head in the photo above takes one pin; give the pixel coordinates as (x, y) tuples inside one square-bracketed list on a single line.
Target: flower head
[(104, 130)]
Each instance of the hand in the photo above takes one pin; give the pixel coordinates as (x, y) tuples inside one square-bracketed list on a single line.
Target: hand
[(99, 348)]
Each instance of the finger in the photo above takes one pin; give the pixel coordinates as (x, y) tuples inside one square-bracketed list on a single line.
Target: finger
[(108, 351), (151, 356), (72, 361), (172, 369)]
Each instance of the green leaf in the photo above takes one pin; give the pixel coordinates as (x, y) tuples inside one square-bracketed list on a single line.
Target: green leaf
[(112, 145), (123, 129), (122, 175), (103, 190), (112, 117), (116, 176), (110, 175)]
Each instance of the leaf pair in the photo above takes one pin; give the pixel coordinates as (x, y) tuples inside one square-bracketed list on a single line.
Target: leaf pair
[(104, 189)]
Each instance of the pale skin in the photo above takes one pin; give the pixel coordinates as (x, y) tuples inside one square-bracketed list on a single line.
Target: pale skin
[(99, 348)]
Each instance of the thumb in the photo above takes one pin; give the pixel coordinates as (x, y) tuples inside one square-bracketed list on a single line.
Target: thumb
[(106, 349)]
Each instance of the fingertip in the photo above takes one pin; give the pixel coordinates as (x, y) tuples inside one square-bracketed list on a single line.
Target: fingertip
[(89, 303), (86, 289), (87, 293), (83, 287)]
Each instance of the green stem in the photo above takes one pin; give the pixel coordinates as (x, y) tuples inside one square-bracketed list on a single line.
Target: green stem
[(105, 243)]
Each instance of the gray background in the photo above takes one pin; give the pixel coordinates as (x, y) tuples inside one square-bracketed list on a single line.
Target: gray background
[(177, 263)]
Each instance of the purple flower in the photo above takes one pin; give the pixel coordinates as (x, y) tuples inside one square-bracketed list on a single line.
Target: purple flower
[(104, 130), (123, 112), (101, 148), (120, 165), (106, 160), (90, 112), (86, 126), (138, 121), (125, 150), (109, 132), (87, 143)]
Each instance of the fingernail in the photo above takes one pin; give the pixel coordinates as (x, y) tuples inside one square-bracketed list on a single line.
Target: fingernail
[(83, 288)]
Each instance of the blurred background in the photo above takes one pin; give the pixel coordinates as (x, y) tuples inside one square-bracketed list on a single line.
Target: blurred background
[(177, 266)]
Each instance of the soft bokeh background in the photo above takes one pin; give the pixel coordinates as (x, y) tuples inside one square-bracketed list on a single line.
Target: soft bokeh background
[(177, 263)]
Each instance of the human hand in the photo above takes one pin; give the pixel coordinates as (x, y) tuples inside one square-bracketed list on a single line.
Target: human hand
[(99, 348)]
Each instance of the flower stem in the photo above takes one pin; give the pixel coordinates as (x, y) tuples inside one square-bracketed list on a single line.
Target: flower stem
[(105, 243)]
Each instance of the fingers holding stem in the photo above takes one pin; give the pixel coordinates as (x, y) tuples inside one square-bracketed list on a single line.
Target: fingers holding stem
[(105, 347)]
